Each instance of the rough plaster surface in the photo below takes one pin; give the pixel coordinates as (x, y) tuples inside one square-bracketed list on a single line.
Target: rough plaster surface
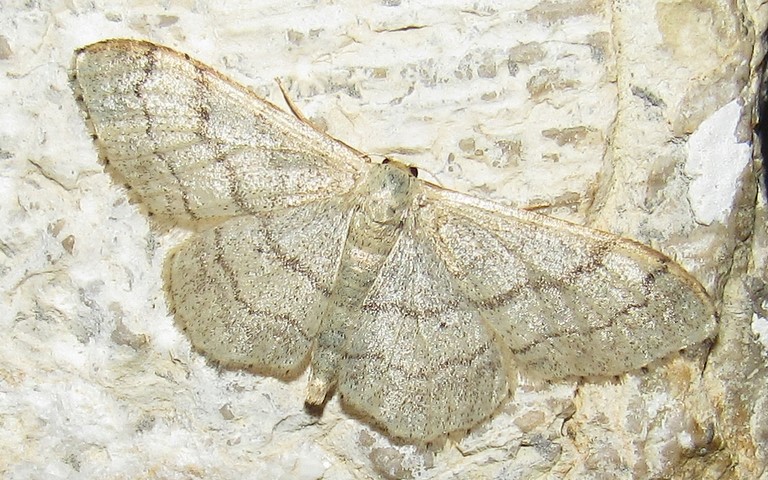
[(630, 116)]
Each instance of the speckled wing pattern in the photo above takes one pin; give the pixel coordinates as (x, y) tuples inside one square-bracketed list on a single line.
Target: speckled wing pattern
[(250, 292), (192, 144), (567, 300), (416, 303), (423, 360)]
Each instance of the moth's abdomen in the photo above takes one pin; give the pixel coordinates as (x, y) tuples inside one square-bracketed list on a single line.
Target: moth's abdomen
[(384, 200)]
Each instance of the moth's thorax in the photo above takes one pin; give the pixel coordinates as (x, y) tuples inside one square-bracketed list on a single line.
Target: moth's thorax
[(386, 193)]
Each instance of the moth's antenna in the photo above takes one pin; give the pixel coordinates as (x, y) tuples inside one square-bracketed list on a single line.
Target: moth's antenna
[(297, 113), (292, 106)]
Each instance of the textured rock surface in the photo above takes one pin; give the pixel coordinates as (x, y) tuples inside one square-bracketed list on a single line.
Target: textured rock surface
[(634, 117)]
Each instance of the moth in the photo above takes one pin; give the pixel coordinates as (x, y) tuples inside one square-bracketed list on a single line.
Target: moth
[(417, 304)]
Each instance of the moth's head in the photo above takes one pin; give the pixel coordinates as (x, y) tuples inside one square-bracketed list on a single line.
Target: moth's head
[(389, 191), (413, 171)]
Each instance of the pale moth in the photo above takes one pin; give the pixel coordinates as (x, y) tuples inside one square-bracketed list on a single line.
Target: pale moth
[(416, 303)]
